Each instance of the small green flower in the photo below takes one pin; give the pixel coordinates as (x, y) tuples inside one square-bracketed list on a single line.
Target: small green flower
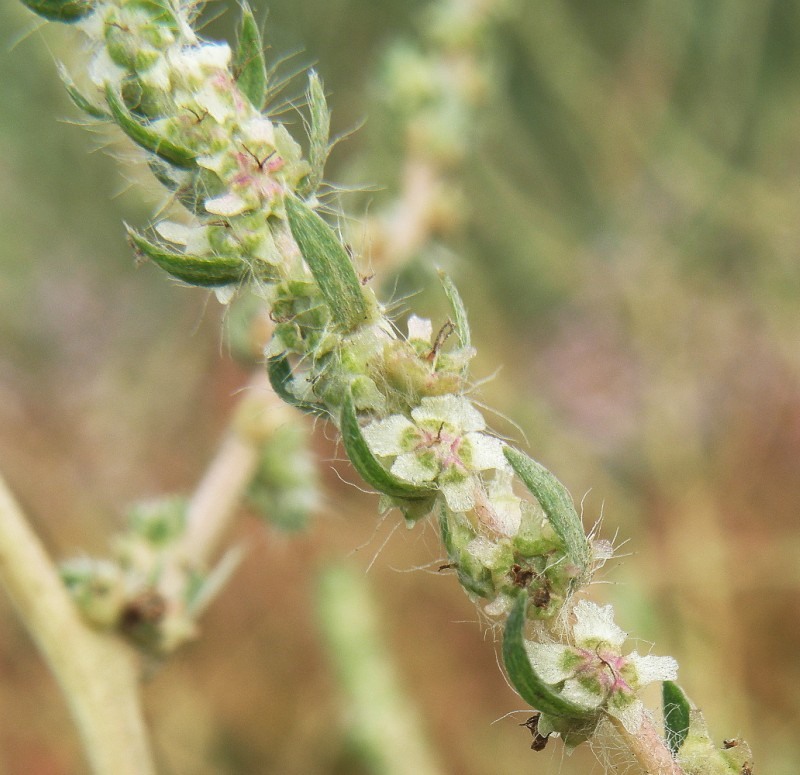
[(593, 673), (443, 443)]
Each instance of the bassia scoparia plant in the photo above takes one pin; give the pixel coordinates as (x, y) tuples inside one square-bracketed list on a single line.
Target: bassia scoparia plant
[(246, 215)]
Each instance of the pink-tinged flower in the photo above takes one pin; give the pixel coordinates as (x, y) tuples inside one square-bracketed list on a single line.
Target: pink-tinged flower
[(594, 673), (443, 444)]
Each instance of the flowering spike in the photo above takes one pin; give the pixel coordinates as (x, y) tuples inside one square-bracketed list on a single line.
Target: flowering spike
[(66, 11), (459, 311), (367, 465), (249, 63), (318, 134), (145, 136), (677, 711), (524, 678), (557, 504), (329, 263), (209, 272)]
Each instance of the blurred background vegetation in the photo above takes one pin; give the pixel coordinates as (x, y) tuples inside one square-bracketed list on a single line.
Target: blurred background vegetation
[(629, 255)]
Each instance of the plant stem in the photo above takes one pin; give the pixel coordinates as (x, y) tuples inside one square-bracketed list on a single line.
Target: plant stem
[(648, 748), (214, 502), (408, 227), (98, 673)]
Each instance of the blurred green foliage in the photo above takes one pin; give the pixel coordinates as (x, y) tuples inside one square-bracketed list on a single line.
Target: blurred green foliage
[(630, 255)]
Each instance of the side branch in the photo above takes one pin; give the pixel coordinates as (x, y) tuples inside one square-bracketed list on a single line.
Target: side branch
[(219, 492), (97, 672)]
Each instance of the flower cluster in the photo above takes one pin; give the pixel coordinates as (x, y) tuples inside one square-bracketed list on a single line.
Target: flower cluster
[(443, 443), (147, 591), (244, 214), (593, 673)]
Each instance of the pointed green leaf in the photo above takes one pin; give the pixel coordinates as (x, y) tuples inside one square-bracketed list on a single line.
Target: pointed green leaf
[(523, 677), (459, 312), (556, 503), (146, 136), (677, 715), (319, 129), (446, 533), (66, 11), (280, 376), (249, 63), (207, 272), (365, 462), (329, 263), (80, 101)]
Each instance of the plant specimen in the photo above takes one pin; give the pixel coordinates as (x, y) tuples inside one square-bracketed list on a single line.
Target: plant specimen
[(245, 213)]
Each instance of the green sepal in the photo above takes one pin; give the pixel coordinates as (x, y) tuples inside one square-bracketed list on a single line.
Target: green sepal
[(160, 11), (202, 185), (477, 580), (66, 11), (329, 263), (677, 715), (249, 63), (459, 312), (80, 101), (524, 678), (319, 129), (556, 503), (412, 510), (280, 376), (164, 173), (365, 462), (145, 136), (207, 272)]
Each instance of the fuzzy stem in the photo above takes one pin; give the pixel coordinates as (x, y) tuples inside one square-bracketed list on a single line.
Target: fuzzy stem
[(98, 673), (213, 504), (408, 228), (648, 748)]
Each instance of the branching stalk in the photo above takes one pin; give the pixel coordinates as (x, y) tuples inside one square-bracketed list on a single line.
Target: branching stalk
[(97, 672), (219, 492)]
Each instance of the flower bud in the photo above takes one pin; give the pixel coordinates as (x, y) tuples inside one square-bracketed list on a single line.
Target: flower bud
[(66, 11), (98, 588)]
